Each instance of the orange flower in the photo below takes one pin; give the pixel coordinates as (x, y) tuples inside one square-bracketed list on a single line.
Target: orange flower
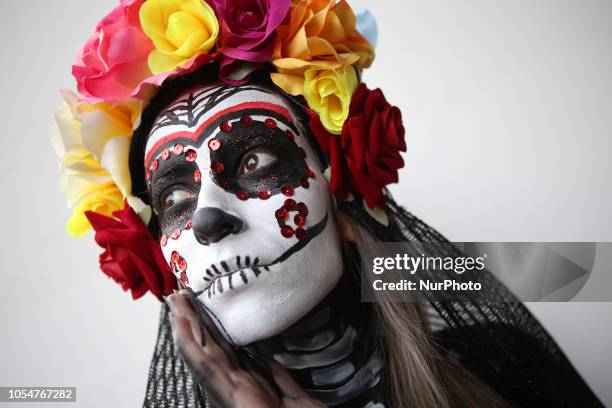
[(318, 33)]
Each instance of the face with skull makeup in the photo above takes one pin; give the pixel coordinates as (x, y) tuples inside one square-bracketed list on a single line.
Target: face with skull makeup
[(245, 213)]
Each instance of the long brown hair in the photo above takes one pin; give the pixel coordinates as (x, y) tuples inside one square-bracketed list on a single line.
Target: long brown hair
[(416, 376)]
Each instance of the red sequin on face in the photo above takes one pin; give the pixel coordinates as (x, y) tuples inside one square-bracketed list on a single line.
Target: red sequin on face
[(224, 184), (281, 214), (290, 204), (246, 120), (302, 209), (175, 256), (225, 127), (270, 123), (177, 149), (191, 155), (176, 234), (188, 225), (310, 173), (286, 231), (154, 165), (264, 195), (300, 233), (163, 240), (304, 183), (182, 264), (184, 279), (287, 190), (290, 134), (242, 195), (197, 175), (299, 220), (217, 167), (214, 144), (165, 154)]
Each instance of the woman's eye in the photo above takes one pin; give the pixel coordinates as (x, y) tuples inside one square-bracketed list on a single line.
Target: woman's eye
[(255, 160), (176, 196)]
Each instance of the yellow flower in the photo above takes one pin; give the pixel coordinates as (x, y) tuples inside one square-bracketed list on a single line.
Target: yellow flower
[(329, 92), (179, 29), (318, 33), (103, 199), (93, 143)]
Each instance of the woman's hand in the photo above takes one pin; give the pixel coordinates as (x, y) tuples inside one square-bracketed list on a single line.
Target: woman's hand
[(216, 368)]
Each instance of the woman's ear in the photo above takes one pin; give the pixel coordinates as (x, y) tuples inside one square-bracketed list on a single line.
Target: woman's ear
[(347, 232)]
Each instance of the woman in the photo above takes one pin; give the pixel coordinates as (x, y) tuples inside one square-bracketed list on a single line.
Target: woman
[(393, 359), (228, 167)]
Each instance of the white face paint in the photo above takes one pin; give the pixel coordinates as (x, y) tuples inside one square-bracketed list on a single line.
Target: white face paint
[(244, 210)]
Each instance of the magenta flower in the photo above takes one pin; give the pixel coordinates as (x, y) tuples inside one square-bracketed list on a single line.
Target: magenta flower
[(247, 34)]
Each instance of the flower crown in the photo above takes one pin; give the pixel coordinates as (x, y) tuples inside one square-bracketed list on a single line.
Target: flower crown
[(311, 48)]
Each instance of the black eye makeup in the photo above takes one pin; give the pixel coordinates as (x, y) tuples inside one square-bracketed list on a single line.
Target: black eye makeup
[(251, 158), (174, 188)]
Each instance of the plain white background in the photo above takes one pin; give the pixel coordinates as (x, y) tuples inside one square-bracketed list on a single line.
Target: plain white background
[(508, 110)]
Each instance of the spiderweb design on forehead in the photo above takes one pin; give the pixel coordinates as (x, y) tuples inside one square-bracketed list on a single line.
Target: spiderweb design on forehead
[(188, 111)]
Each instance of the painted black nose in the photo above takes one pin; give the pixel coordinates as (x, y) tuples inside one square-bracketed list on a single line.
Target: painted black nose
[(212, 224)]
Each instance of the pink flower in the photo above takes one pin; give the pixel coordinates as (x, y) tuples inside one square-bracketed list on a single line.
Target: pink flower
[(248, 30), (113, 62), (113, 66)]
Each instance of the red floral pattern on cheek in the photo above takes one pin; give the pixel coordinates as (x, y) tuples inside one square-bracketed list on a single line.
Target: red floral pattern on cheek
[(282, 216), (178, 265)]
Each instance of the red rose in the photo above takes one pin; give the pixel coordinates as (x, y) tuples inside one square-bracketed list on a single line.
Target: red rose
[(365, 157), (132, 257)]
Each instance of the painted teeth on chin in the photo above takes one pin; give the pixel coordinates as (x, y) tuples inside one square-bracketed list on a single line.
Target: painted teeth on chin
[(225, 282), (215, 283), (213, 269)]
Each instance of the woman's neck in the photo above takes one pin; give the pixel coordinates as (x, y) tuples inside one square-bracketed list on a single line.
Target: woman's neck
[(330, 352)]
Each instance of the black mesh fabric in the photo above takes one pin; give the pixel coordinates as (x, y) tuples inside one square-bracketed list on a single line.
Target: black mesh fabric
[(500, 342), (170, 383)]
